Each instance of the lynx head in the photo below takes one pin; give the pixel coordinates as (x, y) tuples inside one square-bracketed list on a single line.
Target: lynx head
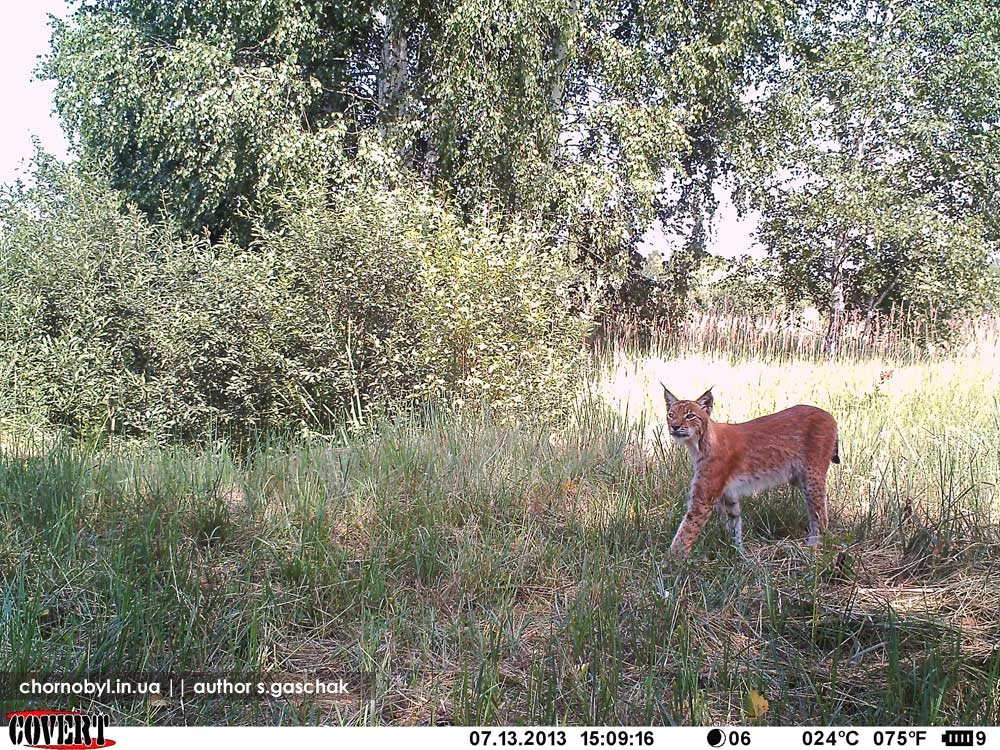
[(688, 420)]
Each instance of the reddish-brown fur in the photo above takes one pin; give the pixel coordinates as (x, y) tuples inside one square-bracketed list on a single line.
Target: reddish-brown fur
[(794, 446)]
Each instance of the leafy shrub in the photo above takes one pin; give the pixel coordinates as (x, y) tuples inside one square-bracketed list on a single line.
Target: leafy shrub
[(376, 294), (493, 315), (77, 270)]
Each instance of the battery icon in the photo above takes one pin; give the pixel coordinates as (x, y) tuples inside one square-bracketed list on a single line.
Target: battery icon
[(957, 738)]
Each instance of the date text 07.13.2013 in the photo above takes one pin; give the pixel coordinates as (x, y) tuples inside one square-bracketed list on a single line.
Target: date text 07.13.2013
[(557, 738)]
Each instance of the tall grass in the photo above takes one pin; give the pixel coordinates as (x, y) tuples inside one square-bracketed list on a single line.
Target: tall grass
[(463, 569), (790, 334)]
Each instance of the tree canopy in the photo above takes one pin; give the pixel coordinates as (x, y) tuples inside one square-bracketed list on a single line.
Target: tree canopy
[(873, 155), (865, 131), (593, 118)]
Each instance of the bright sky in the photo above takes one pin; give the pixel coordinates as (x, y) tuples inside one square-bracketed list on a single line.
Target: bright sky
[(24, 38), (28, 110), (733, 234)]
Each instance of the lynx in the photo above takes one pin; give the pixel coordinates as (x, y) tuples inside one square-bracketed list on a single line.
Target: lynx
[(794, 446)]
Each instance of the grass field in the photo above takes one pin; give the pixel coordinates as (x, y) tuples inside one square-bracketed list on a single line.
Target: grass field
[(469, 571)]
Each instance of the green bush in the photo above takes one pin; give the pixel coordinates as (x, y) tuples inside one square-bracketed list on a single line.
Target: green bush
[(375, 295), (77, 270)]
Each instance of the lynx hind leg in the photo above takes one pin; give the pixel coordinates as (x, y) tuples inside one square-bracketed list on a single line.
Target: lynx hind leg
[(732, 515), (814, 489)]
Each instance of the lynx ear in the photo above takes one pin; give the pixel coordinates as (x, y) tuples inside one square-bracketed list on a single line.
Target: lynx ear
[(706, 400), (670, 398)]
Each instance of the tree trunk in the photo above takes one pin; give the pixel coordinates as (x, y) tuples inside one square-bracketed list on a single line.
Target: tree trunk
[(394, 75), (876, 301), (557, 85), (836, 328)]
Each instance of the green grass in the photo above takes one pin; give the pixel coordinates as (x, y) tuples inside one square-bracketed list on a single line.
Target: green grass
[(481, 572)]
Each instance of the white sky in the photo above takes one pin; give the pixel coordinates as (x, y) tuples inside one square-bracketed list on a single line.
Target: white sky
[(28, 110), (733, 235), (24, 38)]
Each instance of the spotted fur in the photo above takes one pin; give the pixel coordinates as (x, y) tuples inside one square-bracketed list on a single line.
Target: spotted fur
[(795, 446)]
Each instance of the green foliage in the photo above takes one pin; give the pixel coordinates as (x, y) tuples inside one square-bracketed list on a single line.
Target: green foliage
[(366, 202), (205, 114), (748, 284), (494, 320), (873, 158), (373, 296), (75, 277), (467, 312), (488, 96), (571, 116)]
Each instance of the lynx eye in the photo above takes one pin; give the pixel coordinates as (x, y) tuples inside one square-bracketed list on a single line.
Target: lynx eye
[(670, 415), (691, 415)]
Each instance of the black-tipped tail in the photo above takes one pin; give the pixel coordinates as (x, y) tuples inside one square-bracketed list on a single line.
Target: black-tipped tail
[(836, 451)]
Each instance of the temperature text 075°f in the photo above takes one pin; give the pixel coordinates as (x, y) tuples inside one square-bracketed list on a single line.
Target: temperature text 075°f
[(899, 737)]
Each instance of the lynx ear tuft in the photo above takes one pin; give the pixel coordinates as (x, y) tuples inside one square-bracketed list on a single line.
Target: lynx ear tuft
[(670, 398), (706, 400)]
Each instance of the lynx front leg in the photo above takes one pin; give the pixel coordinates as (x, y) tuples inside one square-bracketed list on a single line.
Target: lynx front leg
[(699, 509)]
